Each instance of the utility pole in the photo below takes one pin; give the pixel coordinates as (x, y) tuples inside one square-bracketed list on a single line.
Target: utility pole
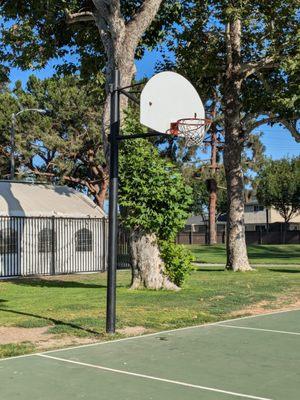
[(212, 187)]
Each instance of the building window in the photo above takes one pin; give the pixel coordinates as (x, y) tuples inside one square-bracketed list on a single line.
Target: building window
[(258, 208), (84, 240), (45, 240), (8, 241)]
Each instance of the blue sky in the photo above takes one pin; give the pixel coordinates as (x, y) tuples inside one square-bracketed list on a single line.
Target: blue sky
[(277, 140)]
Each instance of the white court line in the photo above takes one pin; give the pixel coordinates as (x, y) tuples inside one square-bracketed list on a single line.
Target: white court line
[(154, 378), (258, 329), (152, 334)]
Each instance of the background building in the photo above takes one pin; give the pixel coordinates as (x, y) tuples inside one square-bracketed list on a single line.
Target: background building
[(262, 226), (46, 229)]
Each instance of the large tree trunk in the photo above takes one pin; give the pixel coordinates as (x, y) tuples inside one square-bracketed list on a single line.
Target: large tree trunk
[(237, 258), (147, 266), (120, 40)]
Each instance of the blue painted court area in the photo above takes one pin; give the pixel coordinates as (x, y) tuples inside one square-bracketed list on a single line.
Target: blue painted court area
[(247, 358)]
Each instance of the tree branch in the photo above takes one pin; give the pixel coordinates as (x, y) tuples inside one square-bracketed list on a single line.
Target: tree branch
[(292, 127), (289, 124), (83, 16), (141, 21), (251, 68), (68, 178)]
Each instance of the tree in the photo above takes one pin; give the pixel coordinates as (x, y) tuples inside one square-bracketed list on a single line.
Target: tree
[(8, 106), (93, 33), (99, 32), (154, 201), (207, 177), (279, 187), (242, 58), (64, 146)]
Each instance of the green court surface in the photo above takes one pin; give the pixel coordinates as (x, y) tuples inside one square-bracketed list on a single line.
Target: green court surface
[(247, 358)]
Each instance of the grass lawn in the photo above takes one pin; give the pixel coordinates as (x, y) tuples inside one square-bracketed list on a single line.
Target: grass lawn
[(75, 305), (258, 254)]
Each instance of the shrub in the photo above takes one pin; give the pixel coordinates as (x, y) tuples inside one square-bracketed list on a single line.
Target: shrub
[(178, 261)]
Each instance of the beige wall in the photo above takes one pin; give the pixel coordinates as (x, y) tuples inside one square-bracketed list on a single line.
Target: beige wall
[(255, 217), (259, 217), (274, 216)]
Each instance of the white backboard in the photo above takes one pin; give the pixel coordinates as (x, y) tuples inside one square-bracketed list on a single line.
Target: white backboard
[(166, 98)]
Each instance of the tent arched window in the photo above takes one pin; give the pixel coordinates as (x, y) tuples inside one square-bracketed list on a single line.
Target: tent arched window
[(8, 241), (84, 240), (45, 240)]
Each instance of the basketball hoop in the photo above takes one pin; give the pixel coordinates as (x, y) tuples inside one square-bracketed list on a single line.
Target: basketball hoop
[(192, 129)]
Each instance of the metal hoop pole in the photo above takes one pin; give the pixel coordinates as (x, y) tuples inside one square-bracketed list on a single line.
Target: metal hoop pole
[(113, 204)]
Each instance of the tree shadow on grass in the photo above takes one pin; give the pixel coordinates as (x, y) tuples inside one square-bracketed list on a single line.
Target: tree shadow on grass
[(270, 251), (203, 269), (54, 321), (287, 271), (55, 283)]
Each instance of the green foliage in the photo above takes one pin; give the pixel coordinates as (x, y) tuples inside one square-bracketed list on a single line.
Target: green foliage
[(279, 186), (197, 179), (64, 145), (8, 106), (153, 195), (34, 32), (178, 261), (269, 30)]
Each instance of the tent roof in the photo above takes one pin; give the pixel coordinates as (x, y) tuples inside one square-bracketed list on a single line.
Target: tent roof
[(44, 200)]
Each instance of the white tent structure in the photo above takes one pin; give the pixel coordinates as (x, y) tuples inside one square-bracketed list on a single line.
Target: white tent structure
[(46, 229)]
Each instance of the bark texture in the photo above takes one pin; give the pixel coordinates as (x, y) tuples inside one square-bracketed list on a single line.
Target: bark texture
[(120, 39), (237, 258), (148, 269), (212, 211)]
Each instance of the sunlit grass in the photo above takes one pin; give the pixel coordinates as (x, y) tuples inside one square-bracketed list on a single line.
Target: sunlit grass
[(258, 254)]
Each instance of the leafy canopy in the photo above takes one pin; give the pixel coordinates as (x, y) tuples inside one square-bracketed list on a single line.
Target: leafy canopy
[(279, 186), (34, 32), (64, 145), (153, 194), (269, 57)]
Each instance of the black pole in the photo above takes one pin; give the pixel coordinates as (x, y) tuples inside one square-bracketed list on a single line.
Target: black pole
[(113, 204)]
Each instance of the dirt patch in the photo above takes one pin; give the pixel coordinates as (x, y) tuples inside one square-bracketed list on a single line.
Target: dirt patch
[(18, 335), (39, 337), (47, 341), (264, 307), (133, 330), (65, 341)]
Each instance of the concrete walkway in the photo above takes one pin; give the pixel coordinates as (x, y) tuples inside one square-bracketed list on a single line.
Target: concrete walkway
[(199, 264)]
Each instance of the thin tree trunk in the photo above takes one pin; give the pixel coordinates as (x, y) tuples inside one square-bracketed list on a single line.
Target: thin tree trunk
[(147, 266), (101, 194), (212, 211), (213, 188), (237, 258)]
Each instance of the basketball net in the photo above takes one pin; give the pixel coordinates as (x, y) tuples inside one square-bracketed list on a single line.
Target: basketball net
[(193, 130)]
